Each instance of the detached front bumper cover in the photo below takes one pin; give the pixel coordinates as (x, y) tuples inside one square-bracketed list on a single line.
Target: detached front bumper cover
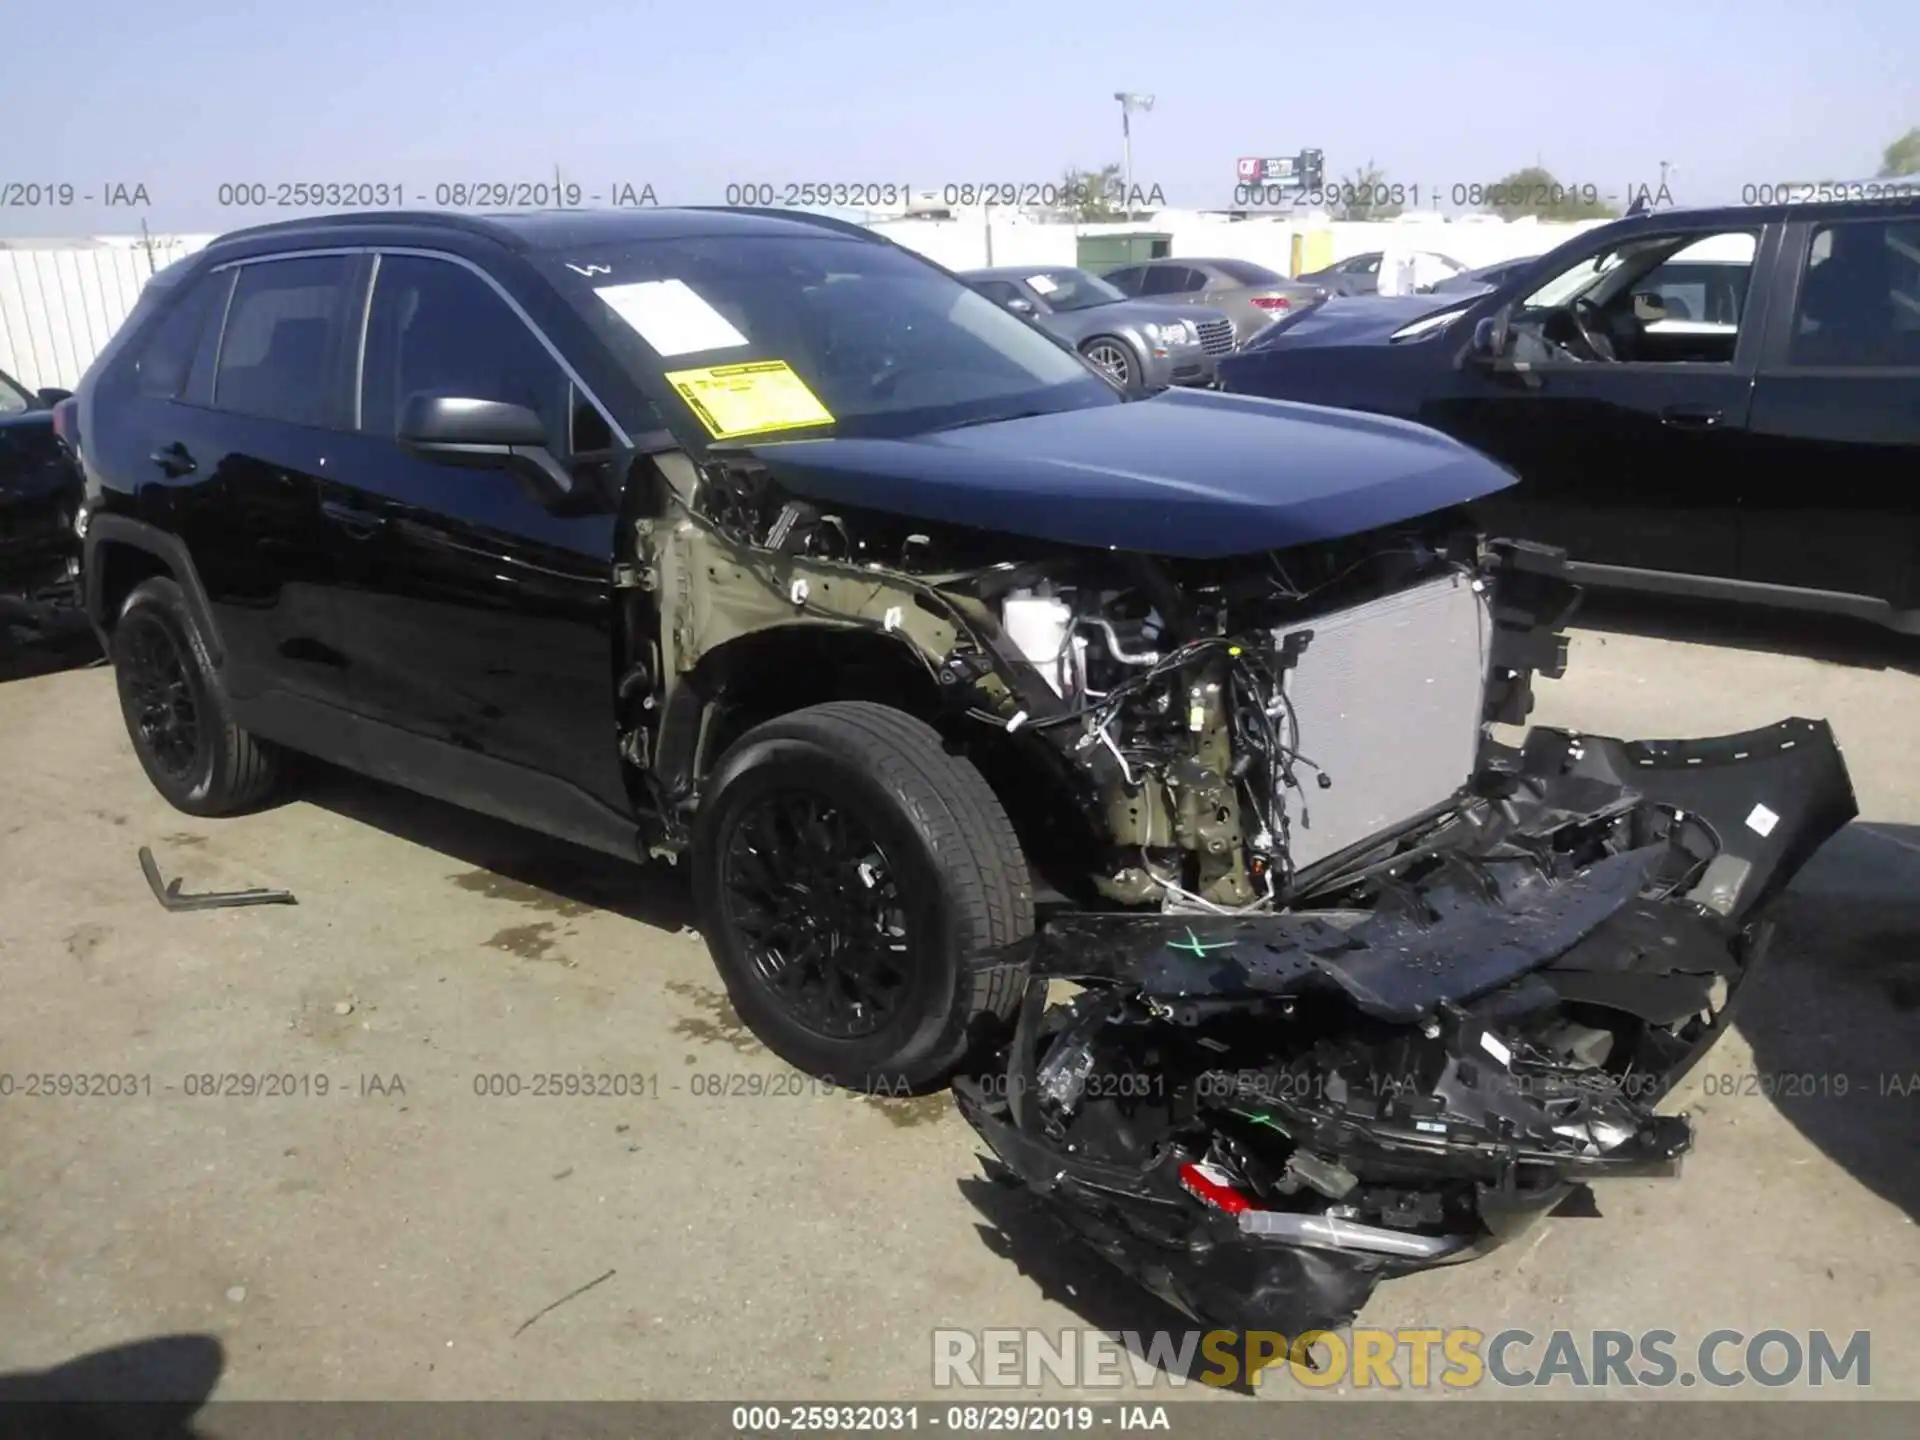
[(1260, 1118)]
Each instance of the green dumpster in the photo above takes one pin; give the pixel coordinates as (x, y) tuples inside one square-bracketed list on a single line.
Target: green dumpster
[(1100, 253)]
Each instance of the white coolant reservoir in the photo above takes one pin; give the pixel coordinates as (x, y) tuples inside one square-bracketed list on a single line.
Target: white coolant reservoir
[(1038, 626)]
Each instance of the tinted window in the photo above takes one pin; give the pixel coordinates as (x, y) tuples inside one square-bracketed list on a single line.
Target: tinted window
[(164, 361), (436, 328), (1126, 281), (199, 390), (284, 327), (1245, 272), (1172, 280), (1859, 302), (13, 400)]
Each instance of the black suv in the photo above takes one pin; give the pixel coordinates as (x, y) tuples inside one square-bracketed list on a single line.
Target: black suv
[(950, 670), (1707, 402), (39, 499)]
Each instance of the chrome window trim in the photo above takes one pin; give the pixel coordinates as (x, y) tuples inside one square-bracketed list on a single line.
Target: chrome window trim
[(619, 431), (219, 344), (360, 343)]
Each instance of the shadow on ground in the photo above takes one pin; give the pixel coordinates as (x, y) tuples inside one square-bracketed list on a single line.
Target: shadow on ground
[(145, 1390), (1017, 1227), (1834, 1018), (1838, 640), (654, 894)]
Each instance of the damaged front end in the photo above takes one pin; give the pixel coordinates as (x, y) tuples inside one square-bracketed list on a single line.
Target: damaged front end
[(1260, 1116), (1360, 989)]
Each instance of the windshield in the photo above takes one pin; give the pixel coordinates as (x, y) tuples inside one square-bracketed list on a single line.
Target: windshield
[(1072, 289), (1577, 281), (799, 336)]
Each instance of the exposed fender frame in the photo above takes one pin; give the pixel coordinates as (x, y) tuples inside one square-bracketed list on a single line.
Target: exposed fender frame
[(139, 535), (685, 755)]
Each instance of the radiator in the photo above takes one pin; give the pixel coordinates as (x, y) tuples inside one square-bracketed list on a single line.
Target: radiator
[(1389, 696)]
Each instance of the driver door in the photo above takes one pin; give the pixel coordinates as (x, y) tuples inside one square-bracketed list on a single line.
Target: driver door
[(476, 624), (1634, 463)]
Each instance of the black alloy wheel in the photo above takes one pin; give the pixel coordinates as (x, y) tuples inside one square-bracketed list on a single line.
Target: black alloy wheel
[(177, 714), (812, 894), (855, 882), (162, 709)]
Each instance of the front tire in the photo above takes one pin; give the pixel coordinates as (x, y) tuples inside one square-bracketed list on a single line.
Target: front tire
[(177, 717), (851, 876), (1116, 357)]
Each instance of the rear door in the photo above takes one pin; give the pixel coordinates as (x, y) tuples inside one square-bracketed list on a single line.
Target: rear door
[(1833, 500), (1173, 284), (231, 423), (472, 616)]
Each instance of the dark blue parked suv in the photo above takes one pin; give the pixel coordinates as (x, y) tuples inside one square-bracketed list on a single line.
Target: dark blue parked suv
[(1708, 402)]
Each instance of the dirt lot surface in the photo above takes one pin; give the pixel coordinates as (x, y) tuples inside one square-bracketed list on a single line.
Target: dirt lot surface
[(750, 1235)]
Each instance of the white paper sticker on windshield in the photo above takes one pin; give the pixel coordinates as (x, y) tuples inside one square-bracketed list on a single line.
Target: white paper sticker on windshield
[(1045, 284), (671, 316)]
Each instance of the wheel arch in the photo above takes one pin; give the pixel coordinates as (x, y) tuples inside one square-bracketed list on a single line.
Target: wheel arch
[(764, 674), (768, 673), (119, 553)]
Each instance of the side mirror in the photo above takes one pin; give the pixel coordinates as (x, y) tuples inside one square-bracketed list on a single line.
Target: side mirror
[(1022, 307), (50, 397), (482, 430), (1485, 345), (485, 435)]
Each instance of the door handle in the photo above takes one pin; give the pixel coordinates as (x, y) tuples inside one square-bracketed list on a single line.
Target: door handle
[(360, 524), (173, 460), (1688, 417)]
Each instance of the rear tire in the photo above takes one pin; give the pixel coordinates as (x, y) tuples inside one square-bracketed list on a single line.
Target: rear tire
[(852, 878), (177, 718)]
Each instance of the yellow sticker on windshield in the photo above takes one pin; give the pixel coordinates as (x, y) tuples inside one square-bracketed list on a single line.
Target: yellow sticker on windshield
[(749, 399)]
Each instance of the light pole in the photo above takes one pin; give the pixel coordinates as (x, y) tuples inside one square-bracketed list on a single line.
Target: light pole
[(1130, 101)]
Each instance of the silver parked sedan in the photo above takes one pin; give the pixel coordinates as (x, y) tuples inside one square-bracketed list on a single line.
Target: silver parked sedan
[(1142, 345), (1250, 295)]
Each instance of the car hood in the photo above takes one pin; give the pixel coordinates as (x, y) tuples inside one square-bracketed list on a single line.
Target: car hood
[(1191, 474), (1351, 320)]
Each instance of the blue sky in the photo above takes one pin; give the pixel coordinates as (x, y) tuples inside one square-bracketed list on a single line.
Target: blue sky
[(690, 97)]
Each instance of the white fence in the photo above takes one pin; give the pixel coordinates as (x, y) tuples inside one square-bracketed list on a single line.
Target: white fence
[(59, 304), (60, 301), (973, 242)]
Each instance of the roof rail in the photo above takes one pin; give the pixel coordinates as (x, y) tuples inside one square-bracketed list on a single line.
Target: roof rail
[(444, 218)]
